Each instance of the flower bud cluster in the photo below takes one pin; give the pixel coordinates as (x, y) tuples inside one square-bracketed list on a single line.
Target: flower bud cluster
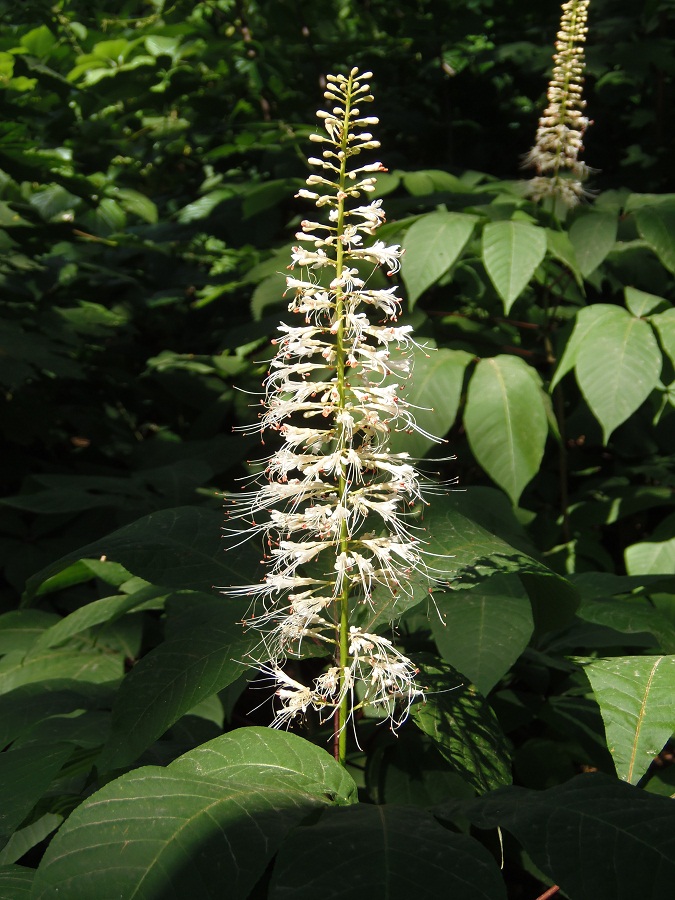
[(332, 503), (555, 155)]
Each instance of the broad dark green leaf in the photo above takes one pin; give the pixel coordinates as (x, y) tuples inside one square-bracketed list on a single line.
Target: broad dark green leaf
[(16, 882), (633, 616), (482, 633), (174, 677), (176, 548), (596, 837), (432, 244), (593, 235), (27, 706), (635, 696), (188, 831), (26, 838), (25, 774), (19, 668), (463, 727), (270, 755), (505, 421), (512, 251), (464, 554), (383, 851), (21, 628), (656, 225)]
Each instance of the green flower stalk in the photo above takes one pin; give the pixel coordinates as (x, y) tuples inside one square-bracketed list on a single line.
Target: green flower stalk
[(555, 155), (333, 503)]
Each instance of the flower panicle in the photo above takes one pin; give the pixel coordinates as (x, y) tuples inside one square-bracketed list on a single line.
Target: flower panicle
[(332, 504), (560, 134)]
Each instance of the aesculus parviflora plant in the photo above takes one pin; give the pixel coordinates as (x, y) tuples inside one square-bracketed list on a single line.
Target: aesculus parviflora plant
[(333, 504)]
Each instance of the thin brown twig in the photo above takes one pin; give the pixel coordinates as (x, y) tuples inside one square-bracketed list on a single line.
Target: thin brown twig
[(549, 893)]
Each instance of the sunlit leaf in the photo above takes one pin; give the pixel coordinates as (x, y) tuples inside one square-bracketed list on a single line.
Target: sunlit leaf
[(635, 695), (512, 251), (432, 244)]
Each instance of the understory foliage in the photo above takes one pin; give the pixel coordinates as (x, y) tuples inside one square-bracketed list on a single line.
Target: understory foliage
[(511, 594)]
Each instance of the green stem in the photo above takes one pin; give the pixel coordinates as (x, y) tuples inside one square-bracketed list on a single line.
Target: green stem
[(342, 611)]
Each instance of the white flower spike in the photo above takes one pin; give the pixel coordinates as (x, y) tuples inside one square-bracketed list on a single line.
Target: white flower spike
[(332, 503), (555, 155)]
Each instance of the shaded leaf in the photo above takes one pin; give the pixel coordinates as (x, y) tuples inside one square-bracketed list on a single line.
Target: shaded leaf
[(596, 837), (463, 727), (483, 633), (25, 775), (178, 548), (174, 677), (656, 225), (175, 833), (593, 235), (383, 851)]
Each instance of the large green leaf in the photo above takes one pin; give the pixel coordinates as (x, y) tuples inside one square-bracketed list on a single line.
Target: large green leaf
[(505, 421), (383, 851), (617, 367), (25, 775), (656, 225), (270, 756), (463, 554), (107, 610), (432, 244), (593, 235), (21, 628), (174, 677), (635, 616), (435, 393), (596, 837), (482, 633), (635, 696), (176, 548), (191, 829), (27, 706), (16, 882), (20, 668), (464, 728), (511, 253), (587, 321), (651, 557), (664, 323)]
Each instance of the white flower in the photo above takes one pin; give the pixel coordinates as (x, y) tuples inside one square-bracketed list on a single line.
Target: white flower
[(332, 504)]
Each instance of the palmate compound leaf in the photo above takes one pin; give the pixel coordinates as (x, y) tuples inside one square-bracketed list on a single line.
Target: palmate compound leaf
[(463, 727), (512, 251), (506, 421), (432, 244), (383, 851), (635, 696), (596, 837), (205, 826)]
